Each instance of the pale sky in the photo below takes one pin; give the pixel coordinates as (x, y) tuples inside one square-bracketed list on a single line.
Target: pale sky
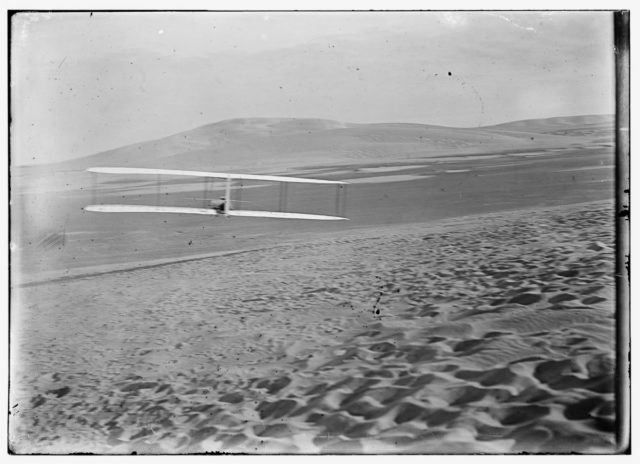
[(82, 84)]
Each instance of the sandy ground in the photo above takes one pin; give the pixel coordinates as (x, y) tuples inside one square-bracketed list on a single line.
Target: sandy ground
[(468, 305), (488, 333)]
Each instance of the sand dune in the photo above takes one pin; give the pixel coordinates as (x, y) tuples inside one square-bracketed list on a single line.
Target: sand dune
[(492, 334), (277, 143), (562, 125)]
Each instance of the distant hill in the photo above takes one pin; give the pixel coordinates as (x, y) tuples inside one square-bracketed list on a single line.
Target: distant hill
[(266, 144), (570, 125)]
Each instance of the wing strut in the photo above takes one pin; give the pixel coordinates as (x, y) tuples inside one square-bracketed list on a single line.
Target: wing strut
[(343, 211), (341, 199), (205, 193), (94, 183), (227, 196), (282, 201)]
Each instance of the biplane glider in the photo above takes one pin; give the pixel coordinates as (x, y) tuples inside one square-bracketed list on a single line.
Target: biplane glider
[(224, 208)]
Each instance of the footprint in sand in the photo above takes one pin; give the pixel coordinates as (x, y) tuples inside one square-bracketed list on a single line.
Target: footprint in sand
[(526, 298), (558, 375), (593, 300), (582, 409), (562, 297), (491, 377), (471, 346), (568, 273), (520, 414), (276, 409)]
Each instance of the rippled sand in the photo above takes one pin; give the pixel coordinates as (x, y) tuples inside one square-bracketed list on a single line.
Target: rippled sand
[(489, 334)]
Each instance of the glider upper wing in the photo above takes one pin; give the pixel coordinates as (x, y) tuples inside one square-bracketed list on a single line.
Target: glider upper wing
[(220, 175)]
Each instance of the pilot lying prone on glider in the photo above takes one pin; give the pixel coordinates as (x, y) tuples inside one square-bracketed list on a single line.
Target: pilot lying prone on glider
[(219, 207)]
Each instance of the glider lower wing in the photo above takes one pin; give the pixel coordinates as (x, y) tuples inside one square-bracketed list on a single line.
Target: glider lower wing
[(281, 215), (204, 211), (220, 175)]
